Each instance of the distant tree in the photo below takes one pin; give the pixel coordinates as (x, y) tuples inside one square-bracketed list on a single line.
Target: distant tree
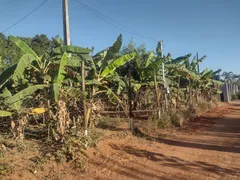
[(230, 77), (131, 66), (129, 48), (10, 53), (159, 52), (41, 44)]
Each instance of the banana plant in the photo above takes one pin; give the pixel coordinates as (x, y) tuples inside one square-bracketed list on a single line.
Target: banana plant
[(103, 71), (207, 78), (38, 67), (173, 68), (17, 72), (14, 103)]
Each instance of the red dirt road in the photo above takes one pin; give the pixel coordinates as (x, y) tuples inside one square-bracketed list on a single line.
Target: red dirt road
[(211, 152)]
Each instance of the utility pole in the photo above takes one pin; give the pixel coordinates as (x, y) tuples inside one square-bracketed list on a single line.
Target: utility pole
[(66, 29), (66, 34), (163, 76)]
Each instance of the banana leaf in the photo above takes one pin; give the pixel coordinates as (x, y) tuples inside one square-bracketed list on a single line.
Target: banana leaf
[(182, 71), (5, 113), (136, 86), (61, 71), (7, 75), (23, 63), (155, 66), (74, 92), (24, 93), (103, 57), (5, 94), (196, 62), (88, 60), (71, 62), (23, 46), (71, 49), (60, 77), (150, 59), (118, 63), (217, 82), (181, 59), (201, 60), (93, 82)]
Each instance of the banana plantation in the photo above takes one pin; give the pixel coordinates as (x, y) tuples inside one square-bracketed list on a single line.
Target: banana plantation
[(64, 92)]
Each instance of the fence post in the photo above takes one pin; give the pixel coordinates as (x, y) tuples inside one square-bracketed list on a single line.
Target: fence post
[(190, 91), (130, 103), (84, 101), (177, 100), (157, 96), (165, 87), (225, 93)]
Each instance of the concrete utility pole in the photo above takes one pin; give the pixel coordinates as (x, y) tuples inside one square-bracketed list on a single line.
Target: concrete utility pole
[(66, 34), (66, 29)]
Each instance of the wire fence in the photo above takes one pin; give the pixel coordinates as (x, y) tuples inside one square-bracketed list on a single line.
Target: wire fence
[(113, 102)]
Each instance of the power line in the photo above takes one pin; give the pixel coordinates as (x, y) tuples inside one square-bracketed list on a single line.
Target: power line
[(111, 21), (127, 29), (25, 16), (93, 11), (105, 15), (103, 9)]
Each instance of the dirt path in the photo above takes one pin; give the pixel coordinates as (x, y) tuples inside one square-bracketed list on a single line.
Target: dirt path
[(212, 152)]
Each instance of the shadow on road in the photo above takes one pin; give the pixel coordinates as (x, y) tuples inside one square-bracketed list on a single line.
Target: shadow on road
[(187, 144), (175, 162)]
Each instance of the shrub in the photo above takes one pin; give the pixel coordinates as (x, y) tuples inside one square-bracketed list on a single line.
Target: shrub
[(238, 95), (155, 122), (73, 148), (235, 97), (5, 168), (177, 119), (171, 117)]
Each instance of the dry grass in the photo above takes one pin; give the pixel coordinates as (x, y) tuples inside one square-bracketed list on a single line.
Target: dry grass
[(178, 117)]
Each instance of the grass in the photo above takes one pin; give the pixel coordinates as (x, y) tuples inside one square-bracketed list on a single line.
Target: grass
[(109, 122), (5, 168), (236, 96), (180, 116)]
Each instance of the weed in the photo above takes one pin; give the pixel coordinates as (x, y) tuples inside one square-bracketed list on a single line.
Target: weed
[(38, 162), (74, 146), (20, 146), (183, 114), (1, 153), (235, 96), (5, 169), (238, 95), (109, 123), (155, 122), (176, 119)]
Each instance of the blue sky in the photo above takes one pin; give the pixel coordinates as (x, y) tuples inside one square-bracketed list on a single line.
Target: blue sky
[(209, 27)]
